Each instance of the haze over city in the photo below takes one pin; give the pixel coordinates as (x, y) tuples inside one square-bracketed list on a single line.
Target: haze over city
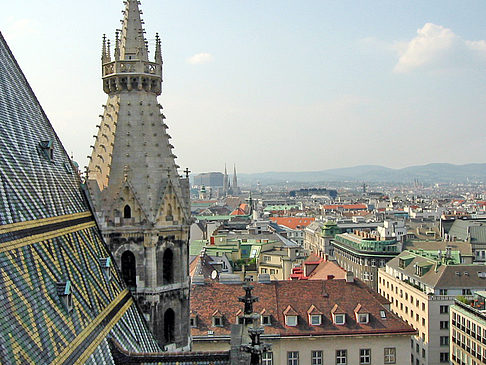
[(281, 86)]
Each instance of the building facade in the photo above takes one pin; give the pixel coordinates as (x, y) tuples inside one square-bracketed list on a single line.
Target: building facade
[(468, 331), (306, 322), (141, 202), (421, 286), (364, 254)]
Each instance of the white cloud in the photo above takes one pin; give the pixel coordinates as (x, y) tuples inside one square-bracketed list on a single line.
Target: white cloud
[(200, 58), (438, 47)]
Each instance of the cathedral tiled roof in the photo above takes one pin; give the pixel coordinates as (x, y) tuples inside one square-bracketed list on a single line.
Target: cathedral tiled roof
[(61, 296)]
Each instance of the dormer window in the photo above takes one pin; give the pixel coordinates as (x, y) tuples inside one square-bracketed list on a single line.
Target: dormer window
[(290, 316), (339, 319), (266, 320), (218, 321), (291, 321), (105, 264), (338, 315), (64, 292), (315, 319), (315, 316), (193, 319), (382, 314), (362, 315), (363, 318)]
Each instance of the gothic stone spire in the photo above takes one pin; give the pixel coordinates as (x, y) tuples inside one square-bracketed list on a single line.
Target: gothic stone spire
[(141, 202)]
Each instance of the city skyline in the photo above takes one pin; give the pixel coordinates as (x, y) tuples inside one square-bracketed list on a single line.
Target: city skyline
[(277, 87)]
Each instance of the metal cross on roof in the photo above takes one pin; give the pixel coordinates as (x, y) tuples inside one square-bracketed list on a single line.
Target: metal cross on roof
[(187, 171)]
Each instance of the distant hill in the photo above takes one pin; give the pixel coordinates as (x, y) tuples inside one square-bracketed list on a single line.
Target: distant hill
[(431, 173)]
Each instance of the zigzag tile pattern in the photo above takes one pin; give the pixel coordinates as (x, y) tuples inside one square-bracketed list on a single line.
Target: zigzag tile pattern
[(48, 236)]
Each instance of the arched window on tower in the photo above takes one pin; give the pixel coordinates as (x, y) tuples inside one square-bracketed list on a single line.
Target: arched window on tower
[(169, 325), (127, 212), (168, 216), (129, 270), (168, 266)]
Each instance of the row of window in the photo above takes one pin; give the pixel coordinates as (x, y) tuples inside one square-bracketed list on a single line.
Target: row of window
[(270, 271), (341, 357), (360, 261), (292, 320)]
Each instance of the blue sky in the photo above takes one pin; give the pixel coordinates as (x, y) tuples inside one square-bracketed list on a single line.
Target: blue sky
[(276, 85)]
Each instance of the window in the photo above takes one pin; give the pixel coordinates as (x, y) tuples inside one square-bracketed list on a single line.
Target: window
[(315, 319), (382, 314), (444, 357), (127, 212), (316, 357), (193, 322), (129, 269), (444, 340), (169, 326), (218, 321), (341, 357), (267, 258), (272, 271), (444, 309), (293, 358), (266, 320), (466, 292), (444, 325), (267, 358), (363, 317), (339, 319), (423, 353), (390, 356), (364, 356), (291, 321), (168, 266), (442, 291)]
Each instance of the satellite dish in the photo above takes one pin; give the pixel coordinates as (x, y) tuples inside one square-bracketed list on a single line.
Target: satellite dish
[(214, 274)]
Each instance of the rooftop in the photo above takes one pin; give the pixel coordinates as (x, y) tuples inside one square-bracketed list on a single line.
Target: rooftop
[(276, 296)]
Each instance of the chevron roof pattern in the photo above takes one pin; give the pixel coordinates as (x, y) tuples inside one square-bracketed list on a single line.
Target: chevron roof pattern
[(61, 297)]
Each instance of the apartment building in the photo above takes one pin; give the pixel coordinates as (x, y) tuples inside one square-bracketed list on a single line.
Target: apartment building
[(421, 286), (363, 253), (305, 321), (468, 330)]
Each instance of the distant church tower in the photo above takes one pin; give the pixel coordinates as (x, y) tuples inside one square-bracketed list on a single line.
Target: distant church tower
[(142, 203), (235, 188), (226, 183)]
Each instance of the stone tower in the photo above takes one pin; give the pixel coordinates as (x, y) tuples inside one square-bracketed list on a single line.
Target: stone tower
[(141, 202)]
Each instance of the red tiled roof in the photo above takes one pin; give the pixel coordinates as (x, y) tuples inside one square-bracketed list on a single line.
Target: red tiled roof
[(293, 222), (327, 269), (344, 206), (278, 296)]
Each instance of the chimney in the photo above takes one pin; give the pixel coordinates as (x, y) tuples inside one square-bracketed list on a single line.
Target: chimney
[(448, 252), (349, 277), (264, 278)]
